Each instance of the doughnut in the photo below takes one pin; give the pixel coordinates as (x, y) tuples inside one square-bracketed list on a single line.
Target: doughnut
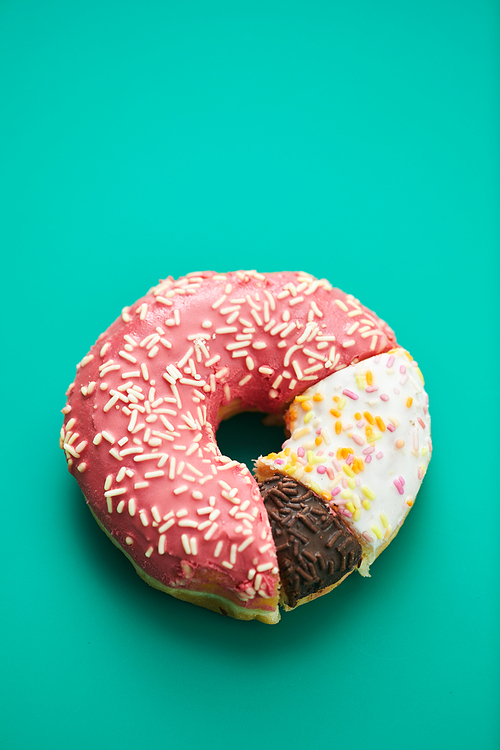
[(360, 439), (140, 421)]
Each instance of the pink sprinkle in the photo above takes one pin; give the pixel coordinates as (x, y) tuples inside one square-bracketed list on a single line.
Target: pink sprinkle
[(369, 450), (420, 473), (430, 444), (336, 465), (344, 483), (321, 469), (398, 486), (384, 397), (330, 472), (368, 459), (390, 427), (403, 380), (371, 388), (421, 423), (346, 512), (318, 431), (379, 455), (358, 439), (350, 394), (361, 423), (390, 361), (335, 491), (402, 369), (402, 481), (349, 460), (278, 461), (301, 452), (396, 391)]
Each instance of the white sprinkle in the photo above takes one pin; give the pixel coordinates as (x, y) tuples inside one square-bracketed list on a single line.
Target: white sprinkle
[(181, 489), (264, 567), (342, 305), (248, 541), (114, 493), (213, 528), (218, 548), (185, 544), (219, 302)]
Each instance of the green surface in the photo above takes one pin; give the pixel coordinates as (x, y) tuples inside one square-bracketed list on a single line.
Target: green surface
[(356, 141)]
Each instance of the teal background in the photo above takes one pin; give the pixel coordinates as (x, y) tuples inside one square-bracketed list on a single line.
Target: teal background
[(357, 141)]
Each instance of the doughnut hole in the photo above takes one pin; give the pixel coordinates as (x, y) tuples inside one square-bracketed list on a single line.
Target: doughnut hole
[(247, 435)]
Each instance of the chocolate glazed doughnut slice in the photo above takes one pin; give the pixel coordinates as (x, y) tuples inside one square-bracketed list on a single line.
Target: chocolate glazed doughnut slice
[(315, 548)]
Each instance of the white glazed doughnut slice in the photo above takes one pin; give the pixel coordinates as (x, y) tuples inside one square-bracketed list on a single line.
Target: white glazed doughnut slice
[(361, 440)]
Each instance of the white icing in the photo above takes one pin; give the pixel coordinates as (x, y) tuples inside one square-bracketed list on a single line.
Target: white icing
[(396, 376)]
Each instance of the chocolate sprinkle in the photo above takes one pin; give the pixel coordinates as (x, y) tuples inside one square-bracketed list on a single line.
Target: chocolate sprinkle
[(316, 548)]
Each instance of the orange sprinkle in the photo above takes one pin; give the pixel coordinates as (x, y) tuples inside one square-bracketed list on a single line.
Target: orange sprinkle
[(336, 399), (354, 467), (318, 397), (344, 452), (335, 412), (369, 378), (368, 417), (287, 451), (338, 426), (339, 454), (368, 430), (318, 440), (380, 424), (326, 496), (357, 416), (306, 405), (409, 402), (409, 502), (308, 468)]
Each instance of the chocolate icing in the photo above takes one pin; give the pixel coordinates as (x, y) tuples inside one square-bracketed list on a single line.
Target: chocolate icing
[(314, 546)]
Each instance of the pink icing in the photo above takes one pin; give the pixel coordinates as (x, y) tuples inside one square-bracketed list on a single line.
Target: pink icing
[(141, 416)]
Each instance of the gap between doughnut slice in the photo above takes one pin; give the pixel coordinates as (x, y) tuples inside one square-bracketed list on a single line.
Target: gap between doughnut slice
[(141, 416)]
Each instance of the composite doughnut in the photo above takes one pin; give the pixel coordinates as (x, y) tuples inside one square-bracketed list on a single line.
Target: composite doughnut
[(141, 416)]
